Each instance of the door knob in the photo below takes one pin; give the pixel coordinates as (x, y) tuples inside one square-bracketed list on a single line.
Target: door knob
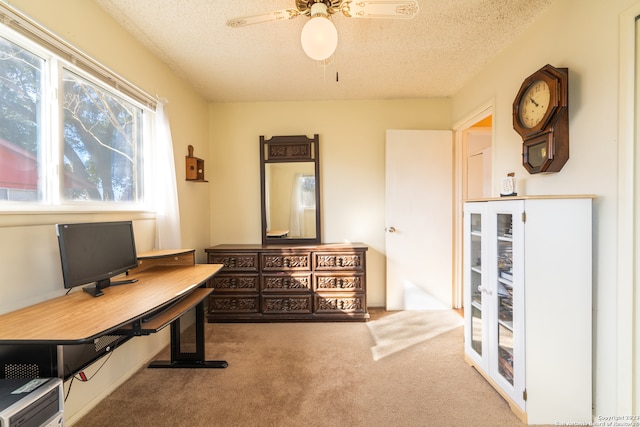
[(485, 290), (391, 229)]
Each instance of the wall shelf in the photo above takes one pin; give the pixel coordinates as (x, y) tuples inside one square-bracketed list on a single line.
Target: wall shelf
[(194, 167)]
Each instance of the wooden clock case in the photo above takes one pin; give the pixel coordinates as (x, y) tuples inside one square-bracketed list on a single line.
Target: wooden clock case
[(545, 146)]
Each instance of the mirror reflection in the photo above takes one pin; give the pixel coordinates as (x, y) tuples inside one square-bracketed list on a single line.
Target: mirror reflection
[(290, 200), (290, 184)]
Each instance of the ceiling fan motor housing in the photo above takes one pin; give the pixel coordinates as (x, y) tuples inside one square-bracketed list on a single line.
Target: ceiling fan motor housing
[(329, 6)]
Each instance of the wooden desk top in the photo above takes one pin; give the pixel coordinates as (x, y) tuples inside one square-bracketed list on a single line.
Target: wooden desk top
[(161, 253), (78, 317)]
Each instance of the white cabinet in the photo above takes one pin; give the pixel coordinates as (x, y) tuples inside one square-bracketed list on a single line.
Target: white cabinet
[(527, 303)]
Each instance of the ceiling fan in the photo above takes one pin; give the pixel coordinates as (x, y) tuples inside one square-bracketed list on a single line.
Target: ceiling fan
[(319, 36)]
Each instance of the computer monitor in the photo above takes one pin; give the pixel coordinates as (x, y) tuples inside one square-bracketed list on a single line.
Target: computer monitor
[(96, 252)]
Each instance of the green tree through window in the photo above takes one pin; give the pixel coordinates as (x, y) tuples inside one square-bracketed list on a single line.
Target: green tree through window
[(101, 143), (99, 157)]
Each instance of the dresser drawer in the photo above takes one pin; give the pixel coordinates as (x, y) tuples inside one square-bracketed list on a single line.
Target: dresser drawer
[(296, 261), (286, 304), (235, 283), (286, 282), (235, 261), (339, 261), (336, 303), (237, 304), (339, 282)]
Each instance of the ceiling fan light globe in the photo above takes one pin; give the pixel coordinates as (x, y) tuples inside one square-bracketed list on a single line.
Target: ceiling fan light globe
[(319, 38)]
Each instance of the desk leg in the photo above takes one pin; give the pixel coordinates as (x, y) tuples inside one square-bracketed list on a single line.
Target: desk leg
[(181, 359)]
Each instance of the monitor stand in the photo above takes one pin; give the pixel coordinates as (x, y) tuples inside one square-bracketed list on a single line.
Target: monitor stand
[(96, 290), (93, 290), (123, 282)]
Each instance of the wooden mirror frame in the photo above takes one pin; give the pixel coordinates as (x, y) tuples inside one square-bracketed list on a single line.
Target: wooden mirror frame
[(287, 149)]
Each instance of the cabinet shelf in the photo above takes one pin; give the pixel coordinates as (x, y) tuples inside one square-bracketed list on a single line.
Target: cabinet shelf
[(506, 324)]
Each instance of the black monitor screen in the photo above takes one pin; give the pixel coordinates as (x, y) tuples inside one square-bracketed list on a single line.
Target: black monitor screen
[(95, 252)]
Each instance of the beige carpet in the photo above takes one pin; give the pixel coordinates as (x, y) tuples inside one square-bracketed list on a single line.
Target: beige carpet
[(401, 330), (309, 374)]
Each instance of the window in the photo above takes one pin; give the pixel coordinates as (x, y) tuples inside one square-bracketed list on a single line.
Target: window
[(68, 136), (308, 190), (102, 143), (20, 123)]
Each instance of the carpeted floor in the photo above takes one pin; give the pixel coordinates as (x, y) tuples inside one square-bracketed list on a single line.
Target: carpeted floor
[(399, 331), (309, 374)]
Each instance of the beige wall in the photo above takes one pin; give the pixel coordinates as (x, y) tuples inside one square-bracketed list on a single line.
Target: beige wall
[(29, 261), (583, 36), (352, 137)]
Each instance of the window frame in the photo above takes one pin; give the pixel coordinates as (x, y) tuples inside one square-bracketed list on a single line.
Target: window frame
[(59, 55)]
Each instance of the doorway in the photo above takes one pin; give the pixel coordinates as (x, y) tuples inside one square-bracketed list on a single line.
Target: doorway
[(479, 159), (473, 178)]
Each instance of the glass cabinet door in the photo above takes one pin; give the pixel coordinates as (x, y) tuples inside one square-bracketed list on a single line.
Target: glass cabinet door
[(476, 282), (494, 293), (504, 294)]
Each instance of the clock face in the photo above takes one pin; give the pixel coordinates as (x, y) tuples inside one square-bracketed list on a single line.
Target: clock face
[(534, 103)]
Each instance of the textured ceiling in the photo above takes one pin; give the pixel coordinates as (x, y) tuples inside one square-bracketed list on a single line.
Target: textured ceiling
[(431, 55)]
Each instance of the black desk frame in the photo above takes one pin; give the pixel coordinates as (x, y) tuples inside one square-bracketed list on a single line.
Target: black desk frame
[(180, 359)]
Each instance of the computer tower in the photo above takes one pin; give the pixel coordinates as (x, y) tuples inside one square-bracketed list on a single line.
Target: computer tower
[(29, 361), (50, 360), (35, 402)]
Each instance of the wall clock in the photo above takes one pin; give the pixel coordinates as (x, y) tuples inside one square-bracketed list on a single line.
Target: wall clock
[(541, 117)]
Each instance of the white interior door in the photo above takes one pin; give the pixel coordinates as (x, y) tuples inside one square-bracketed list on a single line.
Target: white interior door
[(478, 141), (419, 236)]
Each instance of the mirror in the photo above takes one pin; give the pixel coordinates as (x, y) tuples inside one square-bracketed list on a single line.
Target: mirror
[(290, 189)]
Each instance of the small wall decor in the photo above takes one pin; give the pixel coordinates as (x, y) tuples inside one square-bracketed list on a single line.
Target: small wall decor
[(195, 167)]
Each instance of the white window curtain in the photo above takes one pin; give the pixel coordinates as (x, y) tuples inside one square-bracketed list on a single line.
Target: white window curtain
[(296, 226), (166, 191)]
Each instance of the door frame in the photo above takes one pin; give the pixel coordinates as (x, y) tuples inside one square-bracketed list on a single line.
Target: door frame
[(628, 251), (459, 187)]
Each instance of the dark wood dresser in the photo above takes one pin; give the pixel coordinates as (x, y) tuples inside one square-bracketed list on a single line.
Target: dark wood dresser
[(273, 283)]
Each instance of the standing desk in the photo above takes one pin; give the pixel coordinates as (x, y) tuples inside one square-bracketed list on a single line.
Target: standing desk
[(159, 298)]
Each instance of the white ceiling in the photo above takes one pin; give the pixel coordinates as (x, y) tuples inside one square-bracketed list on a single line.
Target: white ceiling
[(431, 55)]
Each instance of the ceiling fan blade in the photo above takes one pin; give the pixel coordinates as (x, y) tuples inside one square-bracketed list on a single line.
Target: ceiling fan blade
[(380, 9), (263, 17)]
